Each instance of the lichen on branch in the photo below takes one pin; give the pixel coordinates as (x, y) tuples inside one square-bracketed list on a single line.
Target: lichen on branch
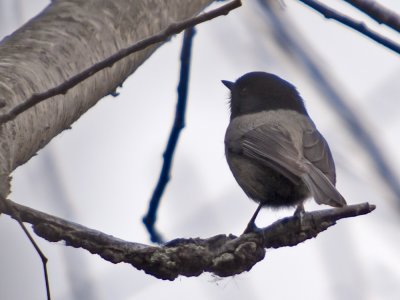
[(222, 255)]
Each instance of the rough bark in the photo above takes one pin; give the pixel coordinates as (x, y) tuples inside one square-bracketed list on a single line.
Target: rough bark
[(67, 37), (222, 255)]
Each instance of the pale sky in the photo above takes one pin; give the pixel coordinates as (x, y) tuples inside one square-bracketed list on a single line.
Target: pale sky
[(102, 172)]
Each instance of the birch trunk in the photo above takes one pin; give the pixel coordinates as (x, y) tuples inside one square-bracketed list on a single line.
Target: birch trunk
[(66, 38)]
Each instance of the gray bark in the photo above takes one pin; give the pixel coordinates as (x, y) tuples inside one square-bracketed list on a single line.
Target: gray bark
[(66, 38), (221, 255)]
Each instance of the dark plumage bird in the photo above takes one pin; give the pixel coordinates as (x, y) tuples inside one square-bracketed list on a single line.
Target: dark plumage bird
[(275, 152)]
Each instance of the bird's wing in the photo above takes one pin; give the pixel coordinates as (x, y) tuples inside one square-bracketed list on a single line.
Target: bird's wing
[(316, 150), (308, 159)]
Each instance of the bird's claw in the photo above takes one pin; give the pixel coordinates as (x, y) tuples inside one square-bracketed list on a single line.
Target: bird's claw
[(251, 227)]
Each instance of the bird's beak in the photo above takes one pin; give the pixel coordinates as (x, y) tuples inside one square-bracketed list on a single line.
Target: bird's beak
[(228, 84)]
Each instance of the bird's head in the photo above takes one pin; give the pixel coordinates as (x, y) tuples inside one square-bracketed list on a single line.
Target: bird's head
[(259, 91)]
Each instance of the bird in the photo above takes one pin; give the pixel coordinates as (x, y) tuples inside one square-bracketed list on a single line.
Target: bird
[(273, 148)]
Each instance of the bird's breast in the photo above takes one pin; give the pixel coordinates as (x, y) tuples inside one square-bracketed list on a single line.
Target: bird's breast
[(263, 184)]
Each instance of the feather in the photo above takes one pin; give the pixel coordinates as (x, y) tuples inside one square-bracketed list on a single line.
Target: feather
[(296, 151)]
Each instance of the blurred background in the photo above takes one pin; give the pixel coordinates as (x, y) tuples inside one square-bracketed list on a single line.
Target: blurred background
[(102, 173)]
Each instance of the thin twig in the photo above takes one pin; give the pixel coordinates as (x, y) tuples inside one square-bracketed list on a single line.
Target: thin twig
[(378, 12), (223, 255), (330, 13), (179, 123), (163, 36), (43, 258)]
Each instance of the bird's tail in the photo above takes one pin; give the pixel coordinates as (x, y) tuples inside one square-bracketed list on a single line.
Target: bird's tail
[(323, 191)]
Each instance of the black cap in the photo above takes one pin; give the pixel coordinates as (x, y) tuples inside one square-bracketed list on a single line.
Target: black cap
[(261, 91)]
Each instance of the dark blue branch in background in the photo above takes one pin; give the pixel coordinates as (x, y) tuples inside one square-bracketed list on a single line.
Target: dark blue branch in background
[(378, 12), (329, 13), (150, 218), (356, 126)]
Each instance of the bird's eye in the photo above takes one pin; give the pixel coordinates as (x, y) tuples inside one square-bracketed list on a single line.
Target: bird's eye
[(244, 91)]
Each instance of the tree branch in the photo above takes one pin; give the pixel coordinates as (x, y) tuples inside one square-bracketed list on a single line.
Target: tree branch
[(150, 218), (43, 258), (163, 36), (42, 54), (330, 13), (223, 255), (378, 12)]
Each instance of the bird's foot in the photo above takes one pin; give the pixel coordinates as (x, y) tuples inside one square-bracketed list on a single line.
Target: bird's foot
[(251, 227), (299, 213), (299, 210)]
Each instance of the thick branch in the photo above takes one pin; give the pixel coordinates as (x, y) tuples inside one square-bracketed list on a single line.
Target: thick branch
[(222, 255), (68, 37), (162, 36), (378, 12)]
